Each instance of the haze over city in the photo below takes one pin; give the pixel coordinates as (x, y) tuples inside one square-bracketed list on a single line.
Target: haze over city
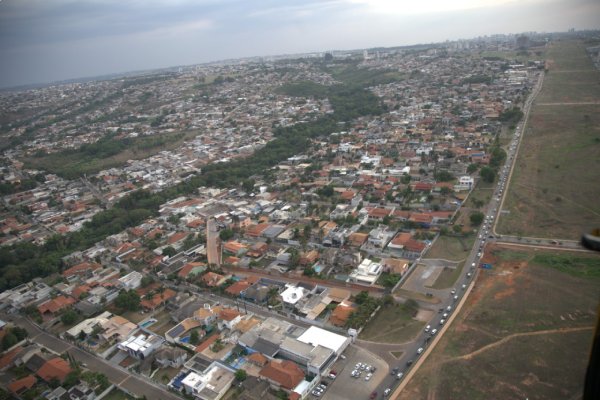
[(45, 41)]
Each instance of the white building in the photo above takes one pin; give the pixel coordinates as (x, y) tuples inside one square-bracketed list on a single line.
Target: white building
[(367, 272), (320, 337), (141, 346), (292, 294), (464, 183), (211, 384), (132, 280)]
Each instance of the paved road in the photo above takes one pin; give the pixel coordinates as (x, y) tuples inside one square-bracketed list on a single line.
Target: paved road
[(119, 377)]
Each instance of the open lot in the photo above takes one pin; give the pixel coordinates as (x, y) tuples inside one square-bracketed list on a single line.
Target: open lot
[(393, 324), (346, 387), (553, 190), (525, 332), (451, 247)]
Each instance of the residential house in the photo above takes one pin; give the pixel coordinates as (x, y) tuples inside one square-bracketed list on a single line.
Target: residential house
[(367, 272), (55, 368), (19, 386), (52, 307), (282, 374), (170, 357)]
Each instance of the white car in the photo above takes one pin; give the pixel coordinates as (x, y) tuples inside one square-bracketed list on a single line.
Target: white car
[(368, 377), (427, 328), (433, 332), (419, 350)]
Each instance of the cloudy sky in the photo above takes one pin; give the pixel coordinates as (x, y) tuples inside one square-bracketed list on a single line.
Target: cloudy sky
[(49, 40)]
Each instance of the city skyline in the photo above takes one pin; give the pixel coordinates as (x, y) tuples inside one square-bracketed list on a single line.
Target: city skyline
[(59, 40)]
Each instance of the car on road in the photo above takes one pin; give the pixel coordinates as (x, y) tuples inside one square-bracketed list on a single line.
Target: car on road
[(409, 363), (445, 315), (442, 321), (387, 392), (400, 375), (448, 308), (453, 291), (433, 332), (469, 274), (368, 377), (420, 350), (394, 371), (427, 328), (464, 286), (373, 395)]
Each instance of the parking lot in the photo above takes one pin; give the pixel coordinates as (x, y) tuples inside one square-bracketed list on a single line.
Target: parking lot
[(347, 387)]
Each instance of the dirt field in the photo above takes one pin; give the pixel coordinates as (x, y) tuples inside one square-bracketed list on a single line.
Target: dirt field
[(525, 332), (553, 191)]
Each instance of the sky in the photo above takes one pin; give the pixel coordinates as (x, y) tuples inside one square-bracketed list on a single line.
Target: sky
[(50, 40)]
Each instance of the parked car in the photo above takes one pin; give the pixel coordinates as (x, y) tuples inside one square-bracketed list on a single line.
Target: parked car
[(419, 350)]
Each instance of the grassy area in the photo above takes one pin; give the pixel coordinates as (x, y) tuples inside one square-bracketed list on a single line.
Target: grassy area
[(107, 154), (392, 324), (482, 194), (552, 192), (451, 248), (448, 277), (408, 294), (499, 349)]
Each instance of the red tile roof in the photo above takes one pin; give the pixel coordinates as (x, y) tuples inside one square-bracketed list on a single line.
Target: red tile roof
[(56, 304), (228, 314), (286, 373), (8, 357), (22, 384), (80, 269), (54, 368), (237, 288)]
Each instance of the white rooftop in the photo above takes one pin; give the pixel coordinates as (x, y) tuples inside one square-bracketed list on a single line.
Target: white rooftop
[(317, 336), (292, 294)]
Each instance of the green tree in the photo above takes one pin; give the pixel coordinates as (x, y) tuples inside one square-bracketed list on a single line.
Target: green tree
[(248, 185), (476, 218), (9, 340), (444, 176), (69, 317), (128, 300), (472, 168), (226, 234), (241, 375), (487, 174), (169, 251), (194, 337), (71, 380)]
